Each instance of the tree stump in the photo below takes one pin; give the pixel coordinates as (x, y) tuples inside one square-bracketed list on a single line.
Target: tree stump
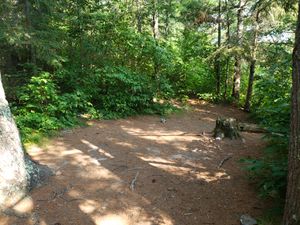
[(226, 127)]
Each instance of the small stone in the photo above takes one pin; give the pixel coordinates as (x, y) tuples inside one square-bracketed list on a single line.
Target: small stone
[(195, 150), (163, 120), (58, 173), (247, 220), (171, 189)]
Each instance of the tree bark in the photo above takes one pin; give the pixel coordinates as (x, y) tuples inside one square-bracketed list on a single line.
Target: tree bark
[(237, 65), (292, 204), (250, 85), (228, 43), (167, 17), (226, 127), (31, 48), (237, 79), (218, 59), (155, 24), (18, 173), (252, 64), (139, 16)]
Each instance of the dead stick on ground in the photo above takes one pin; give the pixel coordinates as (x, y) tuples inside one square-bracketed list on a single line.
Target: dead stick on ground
[(223, 161), (132, 184)]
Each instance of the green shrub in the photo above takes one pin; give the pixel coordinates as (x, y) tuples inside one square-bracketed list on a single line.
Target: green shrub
[(42, 109), (270, 171), (271, 107), (123, 93)]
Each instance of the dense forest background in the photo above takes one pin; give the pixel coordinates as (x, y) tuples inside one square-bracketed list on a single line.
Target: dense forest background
[(115, 58)]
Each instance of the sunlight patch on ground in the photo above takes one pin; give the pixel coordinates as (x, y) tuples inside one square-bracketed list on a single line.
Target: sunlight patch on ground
[(111, 220), (155, 159), (209, 177), (105, 153), (176, 170), (24, 206), (4, 220), (132, 216), (208, 119), (177, 138), (71, 152), (89, 206), (184, 171), (96, 148), (89, 144), (157, 132), (125, 144)]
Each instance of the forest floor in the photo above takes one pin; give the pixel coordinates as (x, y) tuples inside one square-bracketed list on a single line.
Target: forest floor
[(139, 171)]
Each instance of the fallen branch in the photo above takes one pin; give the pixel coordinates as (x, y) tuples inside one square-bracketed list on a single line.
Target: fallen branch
[(251, 128), (223, 161), (132, 184)]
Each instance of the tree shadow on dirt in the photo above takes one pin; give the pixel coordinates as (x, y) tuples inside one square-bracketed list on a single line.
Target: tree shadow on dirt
[(138, 171)]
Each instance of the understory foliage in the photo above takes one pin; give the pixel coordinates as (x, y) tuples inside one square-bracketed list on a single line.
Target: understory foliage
[(271, 108)]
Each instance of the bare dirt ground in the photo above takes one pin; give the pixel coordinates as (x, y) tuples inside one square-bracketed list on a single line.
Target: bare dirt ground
[(139, 171)]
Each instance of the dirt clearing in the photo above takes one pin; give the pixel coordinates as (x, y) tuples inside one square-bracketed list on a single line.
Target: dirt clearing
[(139, 171)]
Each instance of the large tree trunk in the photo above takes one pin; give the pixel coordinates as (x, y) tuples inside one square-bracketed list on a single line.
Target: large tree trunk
[(292, 205), (17, 172), (237, 65)]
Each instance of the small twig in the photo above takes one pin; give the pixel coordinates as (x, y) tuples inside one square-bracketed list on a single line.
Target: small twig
[(132, 184), (223, 161), (72, 199)]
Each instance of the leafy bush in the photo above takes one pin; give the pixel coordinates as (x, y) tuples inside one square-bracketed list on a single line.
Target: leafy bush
[(123, 92), (270, 171), (271, 105), (272, 101), (42, 109)]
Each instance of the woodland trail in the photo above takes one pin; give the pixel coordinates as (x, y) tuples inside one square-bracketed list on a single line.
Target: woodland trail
[(139, 171)]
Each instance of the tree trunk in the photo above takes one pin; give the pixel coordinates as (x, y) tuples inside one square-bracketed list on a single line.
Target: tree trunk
[(292, 204), (250, 86), (155, 25), (218, 60), (252, 64), (167, 17), (18, 173), (237, 65), (31, 48), (139, 16), (228, 43), (237, 79)]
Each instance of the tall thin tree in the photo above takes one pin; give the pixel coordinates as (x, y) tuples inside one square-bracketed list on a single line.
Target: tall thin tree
[(218, 59), (252, 61), (237, 64)]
